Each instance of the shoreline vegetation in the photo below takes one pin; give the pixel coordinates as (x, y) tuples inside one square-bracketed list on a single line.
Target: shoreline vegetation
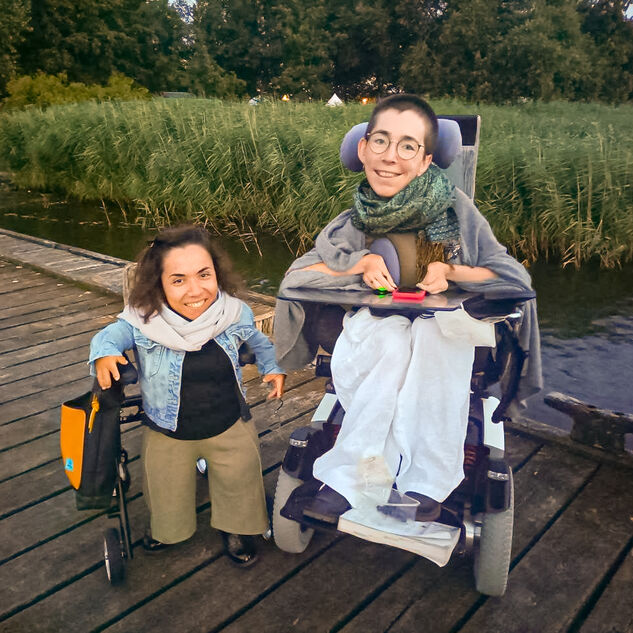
[(555, 180)]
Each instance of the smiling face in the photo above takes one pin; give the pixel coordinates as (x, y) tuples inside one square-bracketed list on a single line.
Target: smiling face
[(387, 173), (189, 280)]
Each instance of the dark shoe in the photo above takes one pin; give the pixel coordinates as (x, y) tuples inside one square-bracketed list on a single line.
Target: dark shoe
[(428, 510), (152, 545), (240, 549), (327, 506)]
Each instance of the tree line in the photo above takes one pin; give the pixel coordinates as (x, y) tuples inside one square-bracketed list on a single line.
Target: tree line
[(494, 51)]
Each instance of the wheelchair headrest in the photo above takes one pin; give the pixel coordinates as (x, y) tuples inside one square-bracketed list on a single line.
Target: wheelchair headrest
[(449, 142)]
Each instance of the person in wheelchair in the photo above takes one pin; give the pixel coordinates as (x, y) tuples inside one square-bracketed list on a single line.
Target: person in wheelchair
[(404, 385), (186, 327)]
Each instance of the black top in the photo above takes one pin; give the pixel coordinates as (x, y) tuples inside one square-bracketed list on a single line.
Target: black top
[(209, 395)]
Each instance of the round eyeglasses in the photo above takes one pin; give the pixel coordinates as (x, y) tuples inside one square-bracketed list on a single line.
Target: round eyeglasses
[(379, 143)]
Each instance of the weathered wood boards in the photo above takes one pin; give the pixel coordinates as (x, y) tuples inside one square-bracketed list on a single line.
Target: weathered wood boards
[(601, 428), (571, 568)]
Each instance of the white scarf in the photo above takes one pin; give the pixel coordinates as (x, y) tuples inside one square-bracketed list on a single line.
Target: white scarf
[(175, 332)]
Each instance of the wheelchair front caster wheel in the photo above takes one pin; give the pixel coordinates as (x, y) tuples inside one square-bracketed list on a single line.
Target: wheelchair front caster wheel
[(289, 535), (113, 556)]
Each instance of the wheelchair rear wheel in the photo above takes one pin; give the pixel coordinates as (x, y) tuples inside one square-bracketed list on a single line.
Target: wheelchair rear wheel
[(289, 535), (494, 550)]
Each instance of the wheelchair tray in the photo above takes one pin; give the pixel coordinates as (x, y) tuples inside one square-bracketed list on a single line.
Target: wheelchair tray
[(449, 300)]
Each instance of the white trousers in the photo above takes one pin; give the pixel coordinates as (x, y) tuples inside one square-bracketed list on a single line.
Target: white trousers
[(405, 388)]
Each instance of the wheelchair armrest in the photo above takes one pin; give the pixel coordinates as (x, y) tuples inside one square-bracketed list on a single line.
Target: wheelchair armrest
[(495, 304), (518, 296)]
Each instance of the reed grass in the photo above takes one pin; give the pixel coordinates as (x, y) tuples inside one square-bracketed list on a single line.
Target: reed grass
[(554, 180)]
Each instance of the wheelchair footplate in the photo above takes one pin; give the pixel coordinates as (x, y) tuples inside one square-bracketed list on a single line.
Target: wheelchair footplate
[(394, 523)]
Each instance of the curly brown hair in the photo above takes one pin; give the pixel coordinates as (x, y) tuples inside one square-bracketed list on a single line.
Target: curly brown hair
[(147, 294)]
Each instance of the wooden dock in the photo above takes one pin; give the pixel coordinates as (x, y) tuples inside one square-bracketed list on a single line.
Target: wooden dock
[(572, 567)]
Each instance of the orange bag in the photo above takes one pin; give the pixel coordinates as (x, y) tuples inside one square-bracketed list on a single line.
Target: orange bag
[(91, 443)]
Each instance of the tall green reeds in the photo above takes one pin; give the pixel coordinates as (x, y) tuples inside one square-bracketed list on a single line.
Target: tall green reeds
[(554, 180)]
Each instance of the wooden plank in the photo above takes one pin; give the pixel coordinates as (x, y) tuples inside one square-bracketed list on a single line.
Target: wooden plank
[(301, 397), (257, 390), (82, 268), (78, 265), (34, 368), (48, 314), (54, 575), (10, 359), (597, 427), (74, 553), (13, 277), (18, 461), (341, 571), (37, 256), (193, 564), (173, 609), (32, 335), (543, 488), (558, 575), (347, 571), (14, 411), (15, 288), (31, 428), (615, 607), (40, 479), (13, 274), (21, 241), (28, 303), (545, 432), (9, 271), (56, 515), (36, 425), (45, 256), (42, 382)]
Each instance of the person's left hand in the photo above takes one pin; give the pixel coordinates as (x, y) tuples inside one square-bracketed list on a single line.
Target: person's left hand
[(278, 381), (435, 280)]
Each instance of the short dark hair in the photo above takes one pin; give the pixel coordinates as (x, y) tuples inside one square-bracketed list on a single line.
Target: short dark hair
[(147, 293), (403, 102)]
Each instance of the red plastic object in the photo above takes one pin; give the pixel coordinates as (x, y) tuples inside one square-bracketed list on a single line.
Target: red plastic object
[(408, 294)]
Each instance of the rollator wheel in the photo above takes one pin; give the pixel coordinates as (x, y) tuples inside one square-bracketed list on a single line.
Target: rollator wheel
[(494, 550), (289, 535), (113, 556)]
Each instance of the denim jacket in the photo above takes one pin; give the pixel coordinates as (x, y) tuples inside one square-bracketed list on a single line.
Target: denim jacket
[(160, 368)]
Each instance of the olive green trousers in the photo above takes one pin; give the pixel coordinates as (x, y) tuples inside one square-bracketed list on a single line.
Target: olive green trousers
[(236, 487)]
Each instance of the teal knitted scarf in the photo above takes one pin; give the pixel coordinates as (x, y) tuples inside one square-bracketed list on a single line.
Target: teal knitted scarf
[(422, 205)]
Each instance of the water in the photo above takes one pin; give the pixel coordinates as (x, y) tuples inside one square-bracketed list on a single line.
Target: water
[(107, 229), (586, 316)]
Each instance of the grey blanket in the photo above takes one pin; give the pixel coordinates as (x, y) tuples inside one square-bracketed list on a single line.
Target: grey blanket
[(340, 245)]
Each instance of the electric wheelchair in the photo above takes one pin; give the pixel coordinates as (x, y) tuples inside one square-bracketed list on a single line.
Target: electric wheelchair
[(482, 506)]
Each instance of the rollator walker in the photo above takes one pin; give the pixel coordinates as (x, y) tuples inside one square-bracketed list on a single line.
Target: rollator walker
[(95, 460), (478, 515)]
